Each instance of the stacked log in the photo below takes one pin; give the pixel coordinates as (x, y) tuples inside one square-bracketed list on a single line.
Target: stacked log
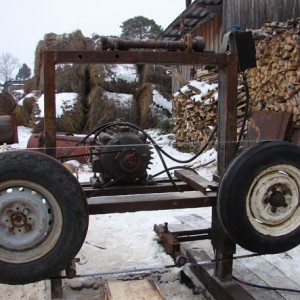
[(195, 110), (275, 83), (274, 86)]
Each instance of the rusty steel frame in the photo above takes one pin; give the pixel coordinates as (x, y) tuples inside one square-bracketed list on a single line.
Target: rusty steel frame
[(227, 127)]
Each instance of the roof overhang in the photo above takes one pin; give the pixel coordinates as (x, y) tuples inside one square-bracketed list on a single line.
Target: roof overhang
[(198, 13)]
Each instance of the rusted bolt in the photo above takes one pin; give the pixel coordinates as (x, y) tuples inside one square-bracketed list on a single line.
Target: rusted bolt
[(27, 227)]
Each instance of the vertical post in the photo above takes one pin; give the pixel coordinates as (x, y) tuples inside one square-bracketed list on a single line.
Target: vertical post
[(224, 247), (49, 103), (56, 288)]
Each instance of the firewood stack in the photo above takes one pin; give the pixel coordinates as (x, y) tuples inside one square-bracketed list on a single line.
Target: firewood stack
[(275, 83), (274, 86), (195, 110)]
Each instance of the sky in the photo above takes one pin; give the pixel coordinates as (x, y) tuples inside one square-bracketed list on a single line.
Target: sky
[(24, 23)]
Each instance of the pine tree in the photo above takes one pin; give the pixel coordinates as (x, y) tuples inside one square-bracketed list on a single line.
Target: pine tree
[(140, 28), (24, 72)]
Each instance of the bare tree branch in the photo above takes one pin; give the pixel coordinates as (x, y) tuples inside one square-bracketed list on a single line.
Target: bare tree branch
[(8, 63)]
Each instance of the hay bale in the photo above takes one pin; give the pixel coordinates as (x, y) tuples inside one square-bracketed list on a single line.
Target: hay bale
[(7, 103), (25, 112), (52, 41), (106, 107), (115, 78), (71, 119), (22, 116), (152, 112)]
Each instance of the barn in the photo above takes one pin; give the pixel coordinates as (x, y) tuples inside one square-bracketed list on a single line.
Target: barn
[(211, 19)]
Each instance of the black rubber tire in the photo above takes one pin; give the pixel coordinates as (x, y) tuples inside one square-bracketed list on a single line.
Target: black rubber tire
[(238, 184), (47, 174)]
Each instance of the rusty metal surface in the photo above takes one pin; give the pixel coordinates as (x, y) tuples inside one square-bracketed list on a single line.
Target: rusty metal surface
[(228, 69), (268, 126), (155, 187), (8, 129), (221, 291), (51, 58), (67, 147), (227, 136), (145, 202), (186, 44), (196, 181)]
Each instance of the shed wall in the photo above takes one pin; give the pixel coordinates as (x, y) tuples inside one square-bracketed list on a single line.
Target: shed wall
[(252, 14)]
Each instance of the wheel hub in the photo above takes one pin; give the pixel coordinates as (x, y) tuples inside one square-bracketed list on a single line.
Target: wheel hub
[(277, 199), (26, 221), (273, 201)]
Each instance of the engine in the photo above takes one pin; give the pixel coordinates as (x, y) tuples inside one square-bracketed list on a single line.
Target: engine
[(122, 155)]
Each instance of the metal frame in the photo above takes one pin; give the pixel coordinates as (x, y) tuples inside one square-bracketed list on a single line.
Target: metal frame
[(227, 130)]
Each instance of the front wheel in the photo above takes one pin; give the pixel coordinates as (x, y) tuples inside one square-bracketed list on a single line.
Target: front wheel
[(258, 199), (43, 217)]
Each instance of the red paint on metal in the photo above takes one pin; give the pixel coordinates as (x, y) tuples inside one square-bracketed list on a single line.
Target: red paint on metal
[(67, 147), (8, 129)]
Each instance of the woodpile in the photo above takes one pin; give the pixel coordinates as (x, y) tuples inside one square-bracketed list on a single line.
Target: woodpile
[(274, 86), (275, 83)]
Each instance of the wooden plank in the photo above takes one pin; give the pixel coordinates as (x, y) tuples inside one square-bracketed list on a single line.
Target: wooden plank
[(134, 290), (145, 202), (196, 181)]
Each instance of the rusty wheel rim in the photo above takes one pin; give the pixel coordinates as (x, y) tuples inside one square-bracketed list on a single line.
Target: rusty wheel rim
[(272, 202), (30, 221)]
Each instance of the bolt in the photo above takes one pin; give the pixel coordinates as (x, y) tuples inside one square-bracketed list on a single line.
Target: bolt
[(27, 227), (273, 210)]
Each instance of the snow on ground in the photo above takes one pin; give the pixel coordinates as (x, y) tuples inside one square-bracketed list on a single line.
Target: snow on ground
[(120, 242)]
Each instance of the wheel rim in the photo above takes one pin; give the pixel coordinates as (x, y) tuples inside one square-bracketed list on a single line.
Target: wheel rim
[(272, 202), (30, 221)]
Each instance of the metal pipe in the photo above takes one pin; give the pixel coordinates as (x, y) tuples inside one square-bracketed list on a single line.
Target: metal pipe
[(187, 44)]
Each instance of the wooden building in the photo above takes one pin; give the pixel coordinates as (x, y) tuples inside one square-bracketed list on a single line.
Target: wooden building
[(212, 18)]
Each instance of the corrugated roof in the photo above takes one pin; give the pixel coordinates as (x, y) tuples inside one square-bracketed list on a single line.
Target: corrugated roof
[(196, 14)]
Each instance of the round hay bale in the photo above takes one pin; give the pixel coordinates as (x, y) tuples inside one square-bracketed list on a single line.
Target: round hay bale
[(115, 78), (107, 107), (29, 104), (71, 120), (52, 41), (150, 112), (25, 112), (22, 116), (144, 100), (7, 103)]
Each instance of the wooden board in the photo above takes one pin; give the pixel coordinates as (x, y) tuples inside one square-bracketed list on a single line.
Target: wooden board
[(134, 290)]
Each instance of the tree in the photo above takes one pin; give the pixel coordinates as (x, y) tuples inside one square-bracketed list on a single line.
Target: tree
[(24, 72), (140, 28), (8, 63)]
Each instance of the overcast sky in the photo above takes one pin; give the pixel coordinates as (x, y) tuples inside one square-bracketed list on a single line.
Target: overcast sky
[(24, 23)]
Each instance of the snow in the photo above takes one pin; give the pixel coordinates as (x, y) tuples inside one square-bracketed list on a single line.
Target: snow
[(116, 243), (64, 102), (160, 100), (122, 72), (120, 242), (125, 100)]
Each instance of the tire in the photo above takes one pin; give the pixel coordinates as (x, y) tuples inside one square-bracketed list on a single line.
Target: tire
[(43, 217), (258, 198)]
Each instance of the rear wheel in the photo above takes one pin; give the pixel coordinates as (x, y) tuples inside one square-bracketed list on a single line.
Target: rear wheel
[(258, 198), (43, 217)]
